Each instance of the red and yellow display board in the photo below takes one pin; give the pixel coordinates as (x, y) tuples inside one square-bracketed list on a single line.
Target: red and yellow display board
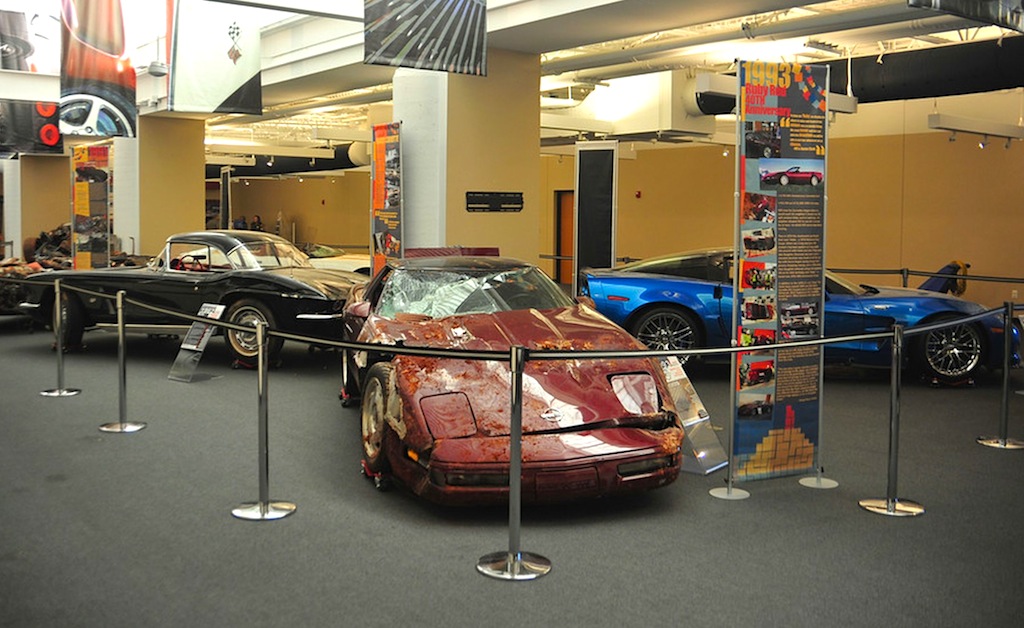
[(779, 274), (386, 204)]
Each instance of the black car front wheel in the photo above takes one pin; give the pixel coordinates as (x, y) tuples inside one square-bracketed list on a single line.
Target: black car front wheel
[(951, 354), (242, 344), (72, 321), (667, 328)]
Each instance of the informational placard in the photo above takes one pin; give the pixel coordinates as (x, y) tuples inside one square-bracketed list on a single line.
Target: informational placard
[(386, 204), (194, 343), (779, 274), (702, 451)]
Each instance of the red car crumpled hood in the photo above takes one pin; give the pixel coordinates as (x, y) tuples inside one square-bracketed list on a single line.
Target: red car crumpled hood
[(558, 395)]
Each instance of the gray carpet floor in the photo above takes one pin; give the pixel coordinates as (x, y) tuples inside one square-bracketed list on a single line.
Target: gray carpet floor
[(112, 530)]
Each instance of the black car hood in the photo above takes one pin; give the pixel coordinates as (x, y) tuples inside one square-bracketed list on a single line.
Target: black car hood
[(334, 284)]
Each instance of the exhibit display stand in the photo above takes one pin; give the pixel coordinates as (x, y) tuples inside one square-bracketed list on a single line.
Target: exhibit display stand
[(194, 343), (515, 564), (1002, 441), (58, 331), (891, 505), (122, 426), (264, 509)]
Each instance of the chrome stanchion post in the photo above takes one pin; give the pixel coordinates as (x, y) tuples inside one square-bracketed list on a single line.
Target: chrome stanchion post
[(892, 505), (58, 330), (1001, 441), (264, 509), (515, 564), (122, 426)]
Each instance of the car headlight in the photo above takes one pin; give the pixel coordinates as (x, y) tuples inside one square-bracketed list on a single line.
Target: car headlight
[(449, 415), (637, 392)]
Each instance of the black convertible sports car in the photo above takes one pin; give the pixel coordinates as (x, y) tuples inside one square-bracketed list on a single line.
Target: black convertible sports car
[(257, 277)]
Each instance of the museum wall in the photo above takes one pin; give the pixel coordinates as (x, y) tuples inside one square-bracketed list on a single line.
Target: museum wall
[(327, 210), (45, 193), (171, 186), (916, 201), (492, 147)]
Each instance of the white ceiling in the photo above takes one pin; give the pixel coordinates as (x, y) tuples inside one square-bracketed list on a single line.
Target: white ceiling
[(584, 42)]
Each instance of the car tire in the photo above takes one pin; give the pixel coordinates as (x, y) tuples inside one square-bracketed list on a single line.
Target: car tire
[(815, 181), (766, 151), (72, 323), (951, 355), (783, 180), (668, 328), (378, 400), (242, 345)]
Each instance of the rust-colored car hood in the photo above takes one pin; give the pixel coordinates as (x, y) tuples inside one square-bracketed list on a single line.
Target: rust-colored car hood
[(568, 396)]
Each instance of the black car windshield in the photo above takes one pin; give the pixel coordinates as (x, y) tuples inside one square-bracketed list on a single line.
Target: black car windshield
[(834, 284), (267, 254), (438, 293)]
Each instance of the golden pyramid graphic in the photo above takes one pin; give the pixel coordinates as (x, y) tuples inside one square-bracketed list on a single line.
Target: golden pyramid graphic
[(785, 450)]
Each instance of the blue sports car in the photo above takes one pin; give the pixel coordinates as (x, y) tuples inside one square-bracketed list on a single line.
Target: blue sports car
[(684, 301)]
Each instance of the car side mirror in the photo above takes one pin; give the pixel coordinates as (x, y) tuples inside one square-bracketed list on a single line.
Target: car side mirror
[(359, 309), (717, 294), (587, 301)]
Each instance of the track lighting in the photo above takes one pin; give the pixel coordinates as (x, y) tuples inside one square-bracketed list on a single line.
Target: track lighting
[(983, 143), (270, 162), (952, 136)]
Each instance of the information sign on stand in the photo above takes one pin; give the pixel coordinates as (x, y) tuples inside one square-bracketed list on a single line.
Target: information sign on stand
[(702, 451), (194, 343)]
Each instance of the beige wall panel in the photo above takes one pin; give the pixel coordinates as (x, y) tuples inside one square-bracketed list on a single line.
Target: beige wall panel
[(965, 203), (685, 202), (328, 210), (865, 204), (45, 193), (172, 190), (493, 126)]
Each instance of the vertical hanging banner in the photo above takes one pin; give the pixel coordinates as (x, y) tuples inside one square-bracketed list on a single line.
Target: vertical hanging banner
[(595, 196), (215, 64), (386, 202), (91, 203), (445, 36), (97, 82), (779, 275)]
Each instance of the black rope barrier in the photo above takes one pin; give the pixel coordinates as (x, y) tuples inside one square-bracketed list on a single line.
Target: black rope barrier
[(514, 564)]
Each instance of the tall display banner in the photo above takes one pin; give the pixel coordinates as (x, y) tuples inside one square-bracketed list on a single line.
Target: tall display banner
[(443, 36), (97, 78), (386, 202), (91, 201), (215, 59), (779, 271), (595, 204)]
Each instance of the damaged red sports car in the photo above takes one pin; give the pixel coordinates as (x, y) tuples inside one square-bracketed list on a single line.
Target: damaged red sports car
[(440, 426)]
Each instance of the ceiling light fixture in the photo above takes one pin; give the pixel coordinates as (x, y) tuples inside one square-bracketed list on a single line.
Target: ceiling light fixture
[(952, 136), (270, 162), (984, 128), (983, 143)]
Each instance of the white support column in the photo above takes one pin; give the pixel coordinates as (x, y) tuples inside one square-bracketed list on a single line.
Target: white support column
[(12, 206), (421, 105)]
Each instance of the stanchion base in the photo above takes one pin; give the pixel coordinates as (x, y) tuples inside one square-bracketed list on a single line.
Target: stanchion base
[(260, 511), (60, 392), (127, 427), (506, 566), (729, 493), (1000, 443), (817, 482), (896, 508)]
